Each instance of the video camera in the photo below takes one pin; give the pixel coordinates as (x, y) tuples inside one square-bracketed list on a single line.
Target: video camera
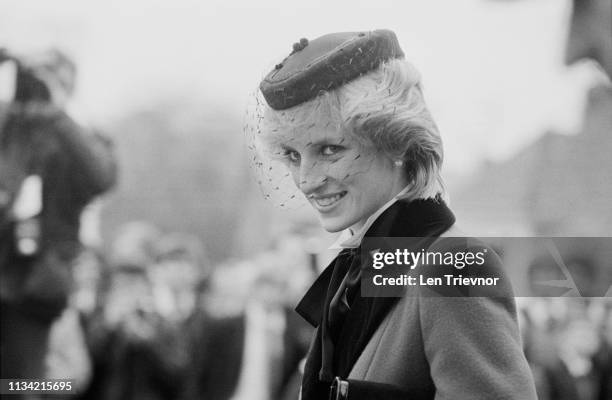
[(47, 77)]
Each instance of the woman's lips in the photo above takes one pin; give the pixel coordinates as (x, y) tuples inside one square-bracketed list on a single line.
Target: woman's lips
[(325, 203)]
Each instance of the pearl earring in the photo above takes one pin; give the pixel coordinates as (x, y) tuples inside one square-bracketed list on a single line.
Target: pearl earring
[(398, 163)]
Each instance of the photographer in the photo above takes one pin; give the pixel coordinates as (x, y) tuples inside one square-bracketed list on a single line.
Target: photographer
[(136, 350), (50, 169)]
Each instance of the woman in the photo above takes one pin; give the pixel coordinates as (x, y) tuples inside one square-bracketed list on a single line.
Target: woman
[(345, 113)]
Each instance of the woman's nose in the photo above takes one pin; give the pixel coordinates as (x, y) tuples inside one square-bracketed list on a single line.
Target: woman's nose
[(311, 178)]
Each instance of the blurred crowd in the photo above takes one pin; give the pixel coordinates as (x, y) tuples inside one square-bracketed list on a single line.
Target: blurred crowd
[(153, 320), (568, 344)]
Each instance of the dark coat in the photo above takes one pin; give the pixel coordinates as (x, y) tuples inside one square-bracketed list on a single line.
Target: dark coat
[(74, 166), (131, 367), (216, 345), (421, 346)]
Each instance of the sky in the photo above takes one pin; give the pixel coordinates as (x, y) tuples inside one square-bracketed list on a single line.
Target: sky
[(492, 70)]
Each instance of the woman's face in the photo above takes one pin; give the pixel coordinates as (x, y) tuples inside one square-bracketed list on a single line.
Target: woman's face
[(344, 181)]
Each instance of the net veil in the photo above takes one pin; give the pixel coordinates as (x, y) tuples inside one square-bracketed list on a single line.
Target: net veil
[(271, 173), (297, 150)]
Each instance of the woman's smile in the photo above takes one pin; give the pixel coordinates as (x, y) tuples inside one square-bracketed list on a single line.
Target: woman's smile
[(325, 203)]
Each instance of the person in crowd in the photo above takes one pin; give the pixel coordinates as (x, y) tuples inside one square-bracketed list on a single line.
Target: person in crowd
[(216, 346), (180, 263), (296, 267), (252, 351), (143, 353), (345, 114), (93, 280), (136, 352), (578, 345), (552, 378), (50, 169), (590, 32), (69, 354), (267, 356)]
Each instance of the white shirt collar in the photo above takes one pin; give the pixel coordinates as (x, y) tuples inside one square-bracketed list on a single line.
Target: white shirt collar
[(349, 240)]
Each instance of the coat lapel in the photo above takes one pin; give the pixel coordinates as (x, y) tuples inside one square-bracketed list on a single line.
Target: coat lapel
[(312, 308)]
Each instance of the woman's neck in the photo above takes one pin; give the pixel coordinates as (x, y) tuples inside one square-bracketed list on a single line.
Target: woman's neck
[(359, 226)]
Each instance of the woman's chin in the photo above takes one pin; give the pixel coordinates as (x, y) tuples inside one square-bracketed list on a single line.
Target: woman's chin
[(333, 224)]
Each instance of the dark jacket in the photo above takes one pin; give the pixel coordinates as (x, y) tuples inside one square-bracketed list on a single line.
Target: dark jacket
[(132, 367), (216, 346), (422, 345), (74, 166)]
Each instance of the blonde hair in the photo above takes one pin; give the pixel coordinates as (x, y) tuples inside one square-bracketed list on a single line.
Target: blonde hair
[(385, 110)]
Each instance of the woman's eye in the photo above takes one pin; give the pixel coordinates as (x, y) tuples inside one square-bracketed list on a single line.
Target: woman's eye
[(330, 150), (293, 156)]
